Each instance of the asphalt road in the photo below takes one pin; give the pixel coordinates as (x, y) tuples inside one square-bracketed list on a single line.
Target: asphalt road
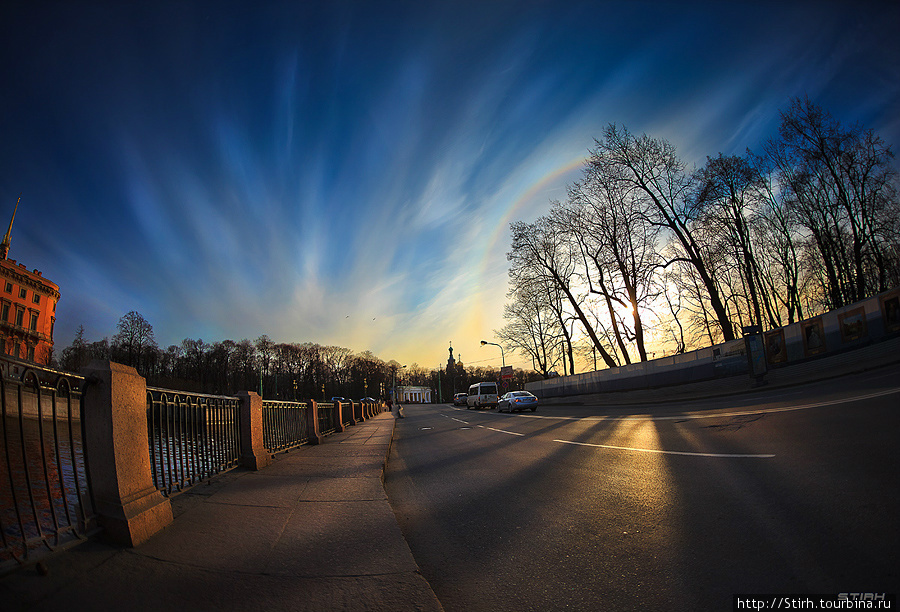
[(654, 507)]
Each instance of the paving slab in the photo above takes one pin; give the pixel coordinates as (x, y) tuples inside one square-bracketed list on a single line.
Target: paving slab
[(330, 467), (343, 489), (328, 539)]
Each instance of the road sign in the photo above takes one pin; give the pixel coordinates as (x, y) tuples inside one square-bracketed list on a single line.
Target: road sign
[(506, 372)]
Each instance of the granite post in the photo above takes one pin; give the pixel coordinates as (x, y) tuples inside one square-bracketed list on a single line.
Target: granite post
[(253, 453), (129, 506)]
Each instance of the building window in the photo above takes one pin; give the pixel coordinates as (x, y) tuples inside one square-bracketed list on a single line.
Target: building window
[(36, 298), (4, 312), (20, 315), (8, 287), (23, 293), (34, 319), (30, 353)]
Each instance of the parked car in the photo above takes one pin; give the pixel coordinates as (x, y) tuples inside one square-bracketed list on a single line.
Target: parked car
[(459, 399), (339, 399), (482, 394), (517, 400)]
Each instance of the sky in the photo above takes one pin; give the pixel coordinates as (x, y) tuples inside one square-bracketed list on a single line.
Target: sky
[(345, 173)]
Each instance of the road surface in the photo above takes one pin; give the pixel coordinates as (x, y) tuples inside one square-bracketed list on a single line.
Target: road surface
[(654, 507)]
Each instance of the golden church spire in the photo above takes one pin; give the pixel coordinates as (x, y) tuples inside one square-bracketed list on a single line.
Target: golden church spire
[(4, 246)]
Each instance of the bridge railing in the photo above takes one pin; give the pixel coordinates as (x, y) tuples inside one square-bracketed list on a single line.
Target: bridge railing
[(285, 425), (46, 498), (328, 418), (192, 437)]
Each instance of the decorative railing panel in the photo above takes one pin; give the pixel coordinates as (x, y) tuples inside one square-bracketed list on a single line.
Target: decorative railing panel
[(192, 437), (45, 493), (327, 419), (347, 414), (285, 425)]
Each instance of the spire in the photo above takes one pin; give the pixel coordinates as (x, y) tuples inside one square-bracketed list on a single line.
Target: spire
[(4, 246)]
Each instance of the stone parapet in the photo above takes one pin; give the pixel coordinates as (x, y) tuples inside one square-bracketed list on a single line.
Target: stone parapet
[(129, 506), (253, 453)]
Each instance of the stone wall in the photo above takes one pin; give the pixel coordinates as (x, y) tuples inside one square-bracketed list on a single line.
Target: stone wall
[(839, 331)]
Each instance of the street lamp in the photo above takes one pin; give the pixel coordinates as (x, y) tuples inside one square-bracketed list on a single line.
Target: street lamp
[(394, 384), (502, 356)]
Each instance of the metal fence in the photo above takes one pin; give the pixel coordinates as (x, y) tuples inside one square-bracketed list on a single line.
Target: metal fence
[(285, 425), (327, 419), (348, 413), (46, 502), (192, 437)]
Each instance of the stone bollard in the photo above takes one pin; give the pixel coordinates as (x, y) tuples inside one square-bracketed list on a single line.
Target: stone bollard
[(339, 408), (253, 454), (129, 507), (312, 422)]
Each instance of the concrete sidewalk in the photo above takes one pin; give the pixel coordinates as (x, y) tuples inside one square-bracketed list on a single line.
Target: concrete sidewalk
[(313, 531)]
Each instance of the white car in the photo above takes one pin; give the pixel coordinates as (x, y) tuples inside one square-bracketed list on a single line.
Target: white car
[(517, 400)]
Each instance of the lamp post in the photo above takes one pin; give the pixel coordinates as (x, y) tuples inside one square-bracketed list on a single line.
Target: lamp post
[(502, 356), (440, 395), (394, 384)]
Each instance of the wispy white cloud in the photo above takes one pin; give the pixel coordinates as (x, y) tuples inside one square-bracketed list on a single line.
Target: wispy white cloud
[(351, 181)]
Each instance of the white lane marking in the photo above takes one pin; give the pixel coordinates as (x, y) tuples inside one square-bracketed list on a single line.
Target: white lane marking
[(512, 433), (459, 421), (665, 452)]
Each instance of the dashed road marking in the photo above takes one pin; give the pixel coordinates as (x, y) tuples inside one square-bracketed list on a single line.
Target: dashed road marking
[(512, 433)]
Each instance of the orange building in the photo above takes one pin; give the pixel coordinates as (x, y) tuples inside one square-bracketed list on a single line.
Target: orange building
[(27, 308)]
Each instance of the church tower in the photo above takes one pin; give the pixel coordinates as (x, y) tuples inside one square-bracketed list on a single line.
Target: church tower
[(451, 371)]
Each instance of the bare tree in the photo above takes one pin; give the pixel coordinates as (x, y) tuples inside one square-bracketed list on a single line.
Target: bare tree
[(76, 355), (726, 199), (779, 254), (841, 185), (619, 247), (540, 252), (532, 329), (650, 169), (134, 336)]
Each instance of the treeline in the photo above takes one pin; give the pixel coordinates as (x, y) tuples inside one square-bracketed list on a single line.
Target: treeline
[(287, 371), (643, 249)]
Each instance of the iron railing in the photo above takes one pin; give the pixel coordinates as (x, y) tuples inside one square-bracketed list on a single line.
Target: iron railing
[(327, 419), (347, 413), (46, 502), (285, 425), (192, 437)]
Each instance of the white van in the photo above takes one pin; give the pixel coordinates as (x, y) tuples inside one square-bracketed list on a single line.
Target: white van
[(482, 394)]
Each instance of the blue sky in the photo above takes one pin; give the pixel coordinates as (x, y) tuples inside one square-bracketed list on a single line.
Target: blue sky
[(346, 172)]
